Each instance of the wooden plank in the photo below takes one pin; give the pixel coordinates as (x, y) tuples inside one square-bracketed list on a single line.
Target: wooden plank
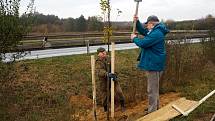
[(167, 112), (93, 86), (112, 82)]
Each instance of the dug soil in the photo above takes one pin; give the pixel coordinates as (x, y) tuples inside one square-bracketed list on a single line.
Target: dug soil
[(133, 111)]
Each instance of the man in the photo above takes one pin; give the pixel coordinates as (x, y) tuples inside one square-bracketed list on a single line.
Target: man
[(45, 40), (152, 56), (103, 73)]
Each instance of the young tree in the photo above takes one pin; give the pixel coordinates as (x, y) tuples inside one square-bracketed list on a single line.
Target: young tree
[(12, 30)]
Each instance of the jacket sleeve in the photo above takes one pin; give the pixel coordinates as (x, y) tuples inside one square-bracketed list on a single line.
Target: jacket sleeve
[(140, 29), (100, 71), (149, 40)]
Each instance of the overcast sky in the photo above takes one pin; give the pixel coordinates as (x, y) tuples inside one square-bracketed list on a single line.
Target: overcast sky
[(164, 9)]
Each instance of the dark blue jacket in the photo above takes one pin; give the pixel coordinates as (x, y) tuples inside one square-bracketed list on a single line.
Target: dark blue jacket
[(153, 52)]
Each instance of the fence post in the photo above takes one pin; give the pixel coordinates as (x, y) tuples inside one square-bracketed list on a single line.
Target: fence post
[(88, 46), (112, 82)]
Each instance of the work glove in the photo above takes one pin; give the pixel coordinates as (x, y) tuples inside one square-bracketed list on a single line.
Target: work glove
[(112, 76)]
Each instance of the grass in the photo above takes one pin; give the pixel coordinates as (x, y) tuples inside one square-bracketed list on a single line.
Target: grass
[(43, 87)]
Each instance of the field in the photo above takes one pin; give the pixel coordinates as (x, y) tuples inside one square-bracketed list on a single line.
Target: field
[(60, 89)]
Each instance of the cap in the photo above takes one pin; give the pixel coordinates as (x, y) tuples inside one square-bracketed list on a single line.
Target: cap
[(100, 49), (138, 0), (152, 18)]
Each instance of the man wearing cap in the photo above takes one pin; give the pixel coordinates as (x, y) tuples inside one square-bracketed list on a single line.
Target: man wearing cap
[(153, 55), (103, 74)]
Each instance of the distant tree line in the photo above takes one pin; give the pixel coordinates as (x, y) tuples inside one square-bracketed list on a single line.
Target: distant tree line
[(51, 23), (207, 23)]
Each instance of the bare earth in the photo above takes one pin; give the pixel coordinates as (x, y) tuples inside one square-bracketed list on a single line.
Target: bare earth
[(133, 111)]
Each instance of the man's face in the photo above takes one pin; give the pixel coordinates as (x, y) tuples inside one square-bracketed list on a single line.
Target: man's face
[(149, 25), (102, 54)]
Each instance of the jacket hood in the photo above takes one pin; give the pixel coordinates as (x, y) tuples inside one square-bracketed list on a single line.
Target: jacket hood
[(162, 27)]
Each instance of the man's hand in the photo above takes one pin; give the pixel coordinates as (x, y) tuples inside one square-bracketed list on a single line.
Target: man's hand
[(112, 76), (133, 36)]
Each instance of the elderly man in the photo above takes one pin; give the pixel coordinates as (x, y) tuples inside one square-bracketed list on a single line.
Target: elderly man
[(153, 55), (103, 73)]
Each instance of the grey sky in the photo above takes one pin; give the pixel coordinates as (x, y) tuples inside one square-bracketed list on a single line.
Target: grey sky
[(164, 9)]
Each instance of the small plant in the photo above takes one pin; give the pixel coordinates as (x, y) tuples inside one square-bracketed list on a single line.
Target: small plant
[(105, 7)]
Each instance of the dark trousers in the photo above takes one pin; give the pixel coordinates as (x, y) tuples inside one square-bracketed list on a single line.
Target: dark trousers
[(103, 92)]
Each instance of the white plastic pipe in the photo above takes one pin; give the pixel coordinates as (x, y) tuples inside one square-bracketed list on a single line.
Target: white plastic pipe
[(194, 107)]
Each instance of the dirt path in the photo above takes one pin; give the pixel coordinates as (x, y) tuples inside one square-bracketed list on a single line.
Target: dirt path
[(132, 112)]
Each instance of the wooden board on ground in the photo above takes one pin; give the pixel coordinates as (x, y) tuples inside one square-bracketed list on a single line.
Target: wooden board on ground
[(167, 112)]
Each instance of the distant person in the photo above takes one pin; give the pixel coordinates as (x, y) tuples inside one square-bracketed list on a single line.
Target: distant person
[(153, 55), (102, 71), (45, 40)]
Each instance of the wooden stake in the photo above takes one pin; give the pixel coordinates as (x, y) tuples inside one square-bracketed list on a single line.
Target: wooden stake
[(93, 86), (108, 99), (112, 82), (108, 96)]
